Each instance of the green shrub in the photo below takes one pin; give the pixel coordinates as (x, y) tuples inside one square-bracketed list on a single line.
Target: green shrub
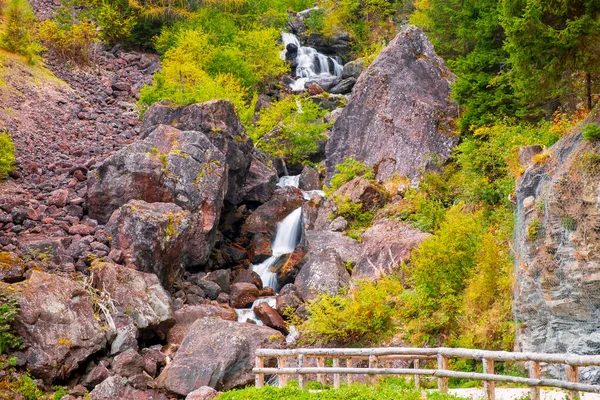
[(346, 171), (71, 42), (290, 128), (115, 20), (591, 132), (534, 230), (7, 154), (316, 21), (363, 315), (28, 388), (8, 313), (16, 30)]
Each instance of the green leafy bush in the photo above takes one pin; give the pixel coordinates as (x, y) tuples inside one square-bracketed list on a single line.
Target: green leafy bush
[(591, 132), (7, 154), (534, 230), (8, 313), (290, 128), (28, 388), (346, 171), (71, 42), (363, 315), (16, 30), (115, 20)]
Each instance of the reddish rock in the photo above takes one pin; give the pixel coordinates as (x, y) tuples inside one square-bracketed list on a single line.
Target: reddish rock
[(151, 238), (115, 388), (59, 198), (385, 246), (248, 276), (187, 315), (81, 229), (270, 317), (243, 295), (204, 393), (128, 363), (217, 353), (400, 112), (260, 184), (360, 190), (56, 321)]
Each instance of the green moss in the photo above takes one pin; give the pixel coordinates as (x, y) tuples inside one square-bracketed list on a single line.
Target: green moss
[(591, 132), (534, 230)]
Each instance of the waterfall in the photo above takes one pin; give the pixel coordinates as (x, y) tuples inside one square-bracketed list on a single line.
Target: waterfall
[(287, 238), (310, 63)]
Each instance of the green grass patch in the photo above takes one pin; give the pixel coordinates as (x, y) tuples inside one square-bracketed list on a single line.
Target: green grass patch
[(392, 388)]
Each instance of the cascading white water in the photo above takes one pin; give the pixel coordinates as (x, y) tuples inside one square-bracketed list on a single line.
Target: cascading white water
[(293, 181), (286, 240), (311, 63)]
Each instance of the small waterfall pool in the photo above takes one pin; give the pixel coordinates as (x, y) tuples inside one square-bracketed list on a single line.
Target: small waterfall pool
[(311, 63)]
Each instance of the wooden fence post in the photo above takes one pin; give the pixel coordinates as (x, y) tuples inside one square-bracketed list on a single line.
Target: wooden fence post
[(336, 377), (488, 386), (282, 363), (535, 372), (442, 365), (301, 376), (259, 380), (321, 377), (349, 376), (417, 365), (373, 364), (572, 373)]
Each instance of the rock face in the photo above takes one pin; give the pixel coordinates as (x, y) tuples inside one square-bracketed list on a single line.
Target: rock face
[(324, 272), (260, 184), (56, 321), (151, 238), (139, 294), (219, 122), (12, 268), (169, 166), (385, 246), (217, 353), (399, 114), (557, 266)]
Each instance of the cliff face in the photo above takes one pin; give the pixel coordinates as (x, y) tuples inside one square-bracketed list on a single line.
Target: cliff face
[(557, 244)]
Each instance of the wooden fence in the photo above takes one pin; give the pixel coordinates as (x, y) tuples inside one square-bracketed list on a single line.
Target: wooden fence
[(342, 364)]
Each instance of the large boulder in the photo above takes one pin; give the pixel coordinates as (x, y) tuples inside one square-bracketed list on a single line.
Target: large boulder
[(385, 245), (188, 314), (557, 234), (217, 353), (361, 190), (169, 166), (323, 273), (116, 387), (347, 248), (56, 321), (12, 268), (151, 238), (400, 113), (140, 295), (219, 122)]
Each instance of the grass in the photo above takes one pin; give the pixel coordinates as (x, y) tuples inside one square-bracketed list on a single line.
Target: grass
[(387, 389)]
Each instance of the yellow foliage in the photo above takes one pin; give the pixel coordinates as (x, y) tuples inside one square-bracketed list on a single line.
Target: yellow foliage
[(73, 43)]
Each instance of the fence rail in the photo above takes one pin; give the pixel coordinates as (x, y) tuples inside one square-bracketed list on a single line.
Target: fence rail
[(343, 364)]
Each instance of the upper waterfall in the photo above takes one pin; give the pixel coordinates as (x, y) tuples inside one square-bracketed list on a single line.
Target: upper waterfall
[(310, 63)]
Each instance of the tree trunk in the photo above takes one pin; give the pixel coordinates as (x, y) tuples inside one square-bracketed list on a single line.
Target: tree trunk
[(588, 87)]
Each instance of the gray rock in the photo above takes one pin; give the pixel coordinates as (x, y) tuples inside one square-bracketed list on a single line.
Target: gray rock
[(557, 270), (339, 224), (204, 393), (324, 272), (353, 69), (347, 248), (344, 87), (217, 353), (325, 82), (219, 122), (187, 315), (140, 294), (309, 179), (400, 112)]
